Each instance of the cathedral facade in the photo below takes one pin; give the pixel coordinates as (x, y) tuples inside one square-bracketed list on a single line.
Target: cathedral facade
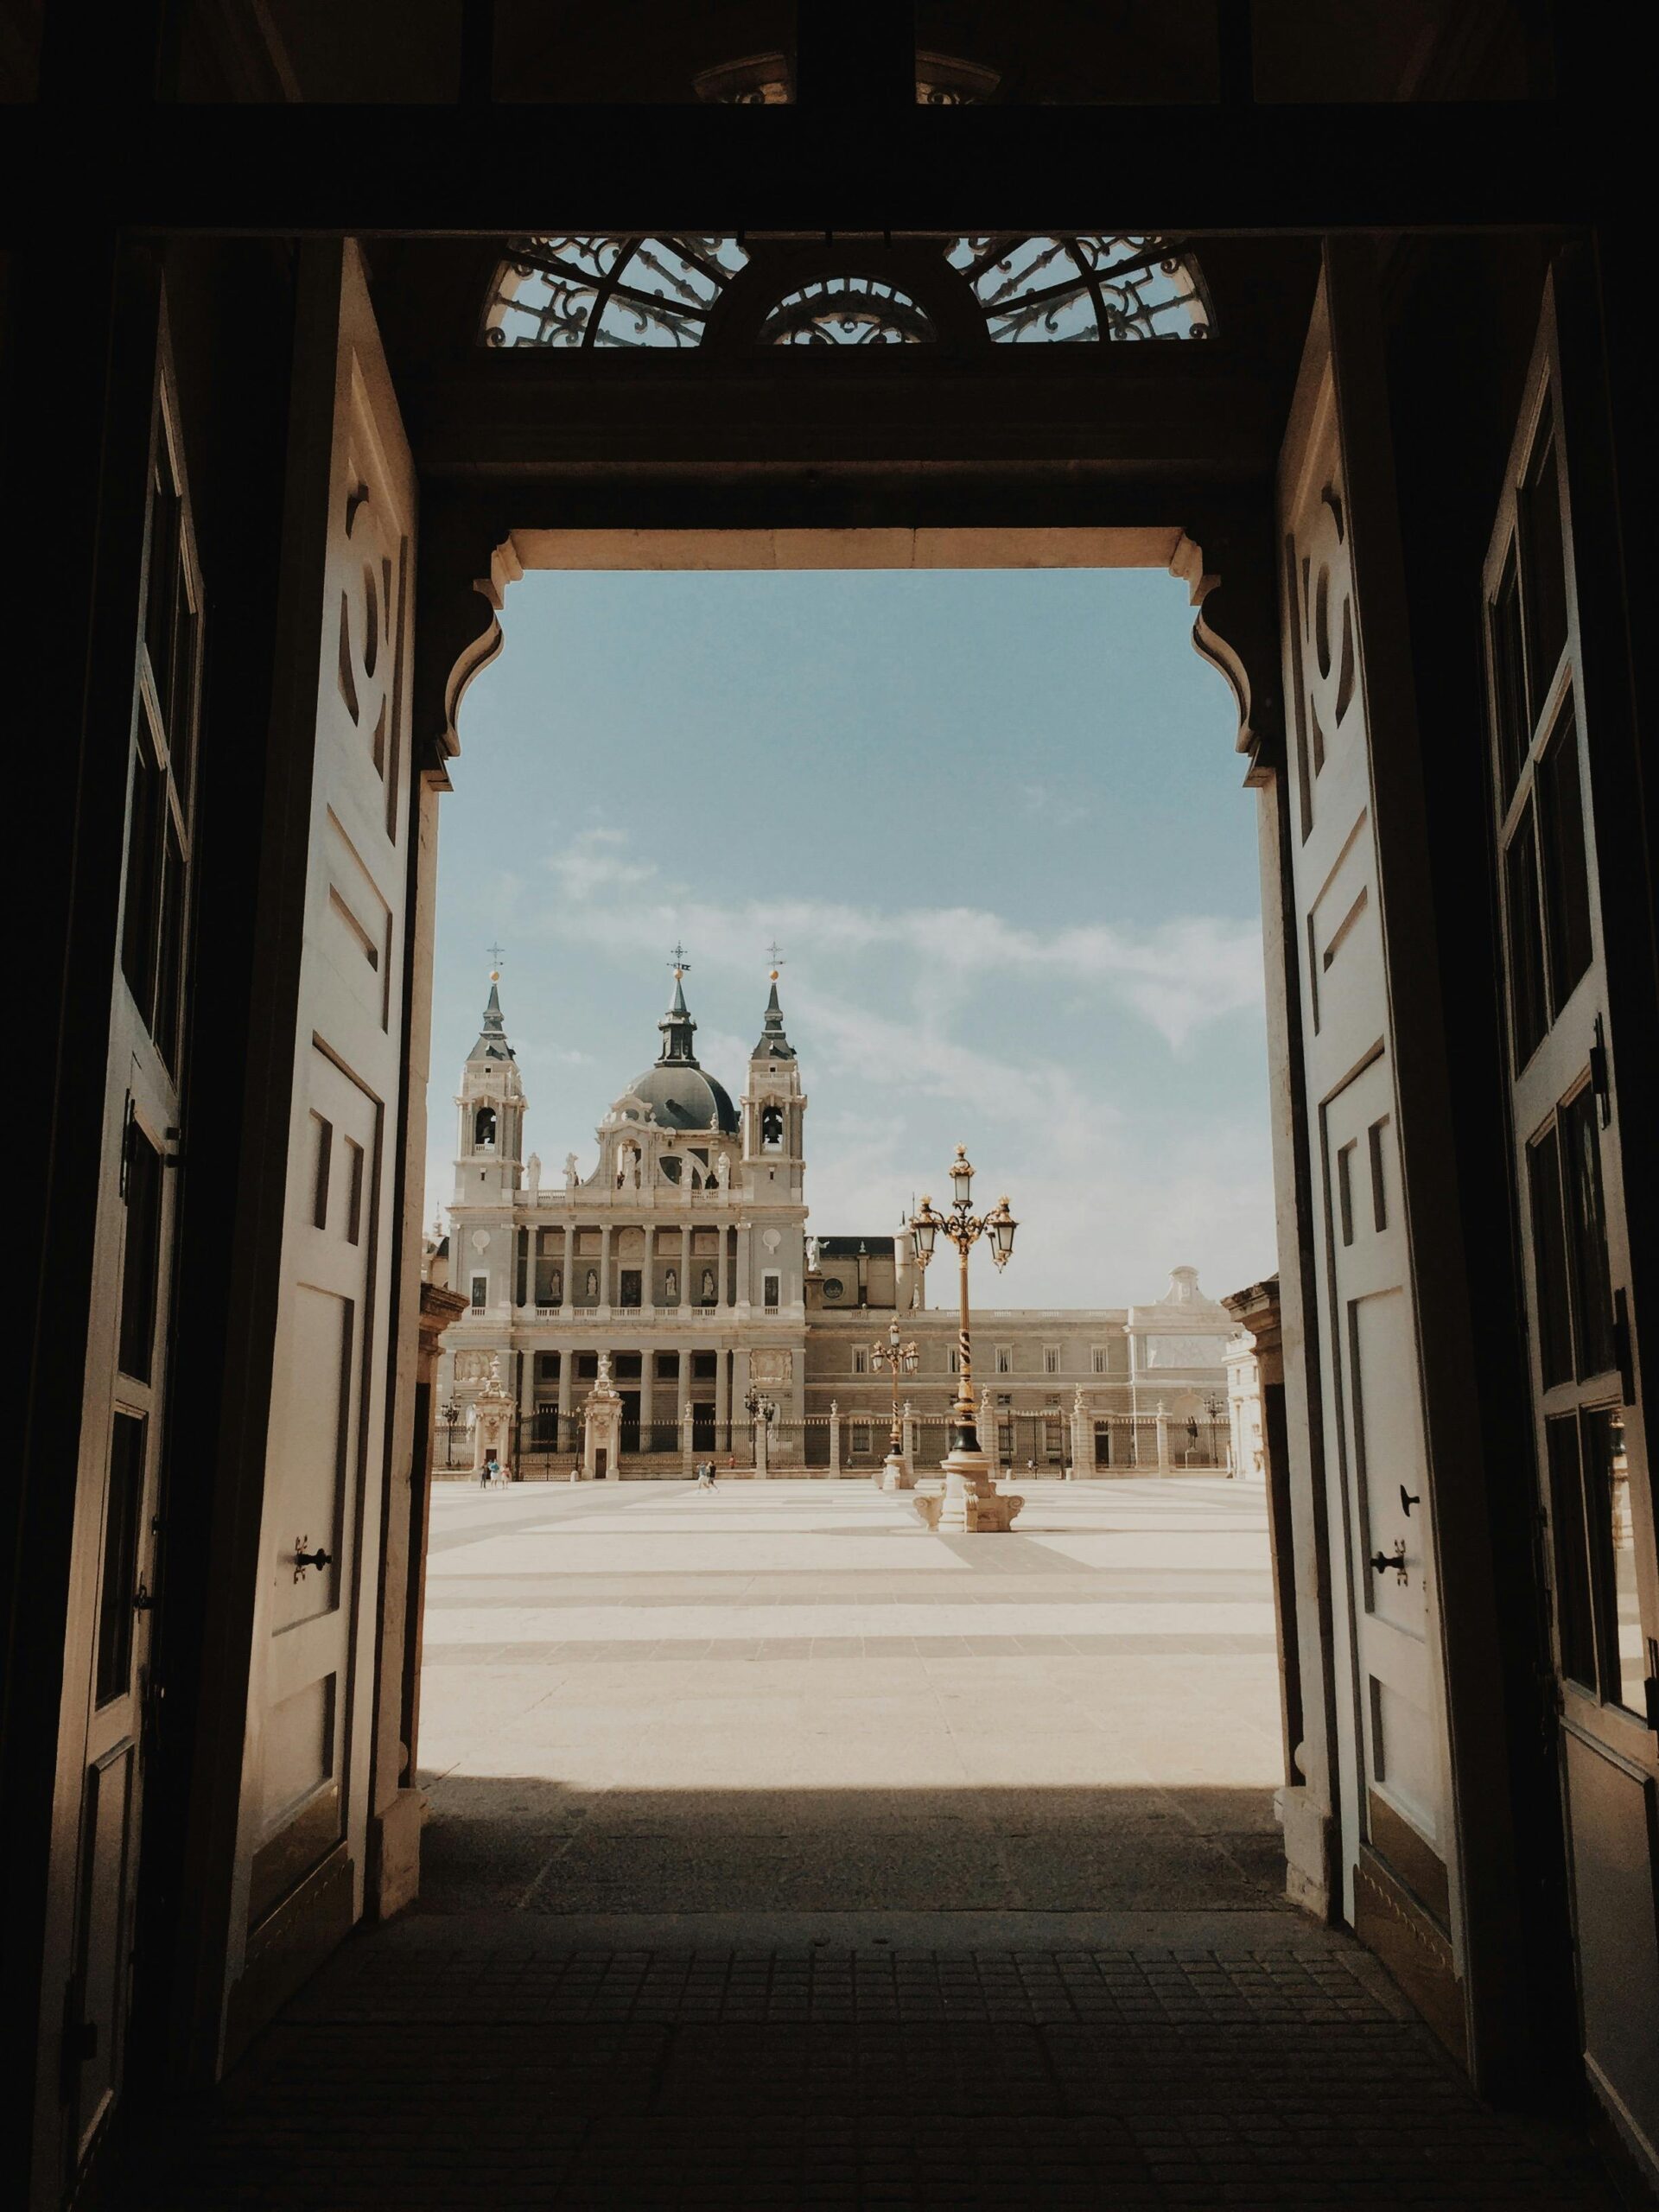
[(681, 1261)]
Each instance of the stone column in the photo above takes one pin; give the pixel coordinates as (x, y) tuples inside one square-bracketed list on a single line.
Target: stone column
[(835, 1441), (688, 1454), (567, 1367), (686, 1265), (605, 1271), (1163, 1438), (743, 1235), (722, 1397), (602, 1429), (1082, 1436)]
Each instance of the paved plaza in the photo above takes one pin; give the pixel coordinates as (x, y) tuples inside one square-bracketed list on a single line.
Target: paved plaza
[(644, 1698), (782, 1855)]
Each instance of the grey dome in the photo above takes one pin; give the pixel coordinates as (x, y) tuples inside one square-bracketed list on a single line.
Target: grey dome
[(681, 1096)]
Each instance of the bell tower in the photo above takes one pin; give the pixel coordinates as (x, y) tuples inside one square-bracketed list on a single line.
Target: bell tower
[(490, 1103), (774, 1112)]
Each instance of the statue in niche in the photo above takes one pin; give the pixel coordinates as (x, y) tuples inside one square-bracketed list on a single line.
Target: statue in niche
[(706, 1289), (533, 1173), (671, 1286), (556, 1288), (569, 1171), (723, 1170), (814, 1252), (592, 1285)]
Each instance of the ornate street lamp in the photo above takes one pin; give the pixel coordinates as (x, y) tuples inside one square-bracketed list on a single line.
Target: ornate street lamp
[(971, 1501), (898, 1359), (450, 1411)]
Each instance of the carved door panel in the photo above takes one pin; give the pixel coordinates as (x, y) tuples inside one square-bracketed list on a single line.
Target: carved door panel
[(305, 1780), (1392, 1779), (1591, 1446), (108, 1685)]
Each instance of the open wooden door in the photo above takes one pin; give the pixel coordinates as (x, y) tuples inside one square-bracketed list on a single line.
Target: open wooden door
[(1568, 1133), (348, 595), (1391, 1785), (104, 1728)]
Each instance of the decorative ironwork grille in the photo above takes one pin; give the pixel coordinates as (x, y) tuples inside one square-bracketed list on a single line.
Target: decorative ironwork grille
[(1069, 288), (1077, 289), (610, 291), (847, 311)]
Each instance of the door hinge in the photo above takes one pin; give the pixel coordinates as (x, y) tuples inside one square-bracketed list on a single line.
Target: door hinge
[(1600, 1082)]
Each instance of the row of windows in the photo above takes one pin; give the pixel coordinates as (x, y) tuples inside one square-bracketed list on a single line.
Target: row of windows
[(1004, 1360)]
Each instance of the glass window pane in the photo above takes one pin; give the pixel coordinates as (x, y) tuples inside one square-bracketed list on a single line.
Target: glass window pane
[(1509, 681), (1525, 939), (1586, 1230), (143, 886), (1574, 1617), (141, 1256), (1549, 1258), (1612, 1558), (169, 950), (1567, 881), (161, 592), (119, 1585), (1544, 566)]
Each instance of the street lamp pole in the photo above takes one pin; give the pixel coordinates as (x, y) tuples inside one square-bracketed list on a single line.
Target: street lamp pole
[(898, 1359), (971, 1503)]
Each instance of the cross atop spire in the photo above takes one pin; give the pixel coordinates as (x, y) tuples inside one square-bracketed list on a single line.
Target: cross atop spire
[(677, 1025), (497, 954), (773, 1045), (677, 961), (775, 958)]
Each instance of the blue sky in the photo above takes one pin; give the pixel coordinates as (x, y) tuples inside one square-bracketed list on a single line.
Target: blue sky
[(995, 820)]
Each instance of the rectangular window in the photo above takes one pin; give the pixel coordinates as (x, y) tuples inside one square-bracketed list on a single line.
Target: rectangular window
[(1586, 1235), (770, 1287), (627, 1366), (1513, 724), (547, 1367), (481, 1292), (1525, 935), (668, 1367), (586, 1367), (629, 1286), (118, 1584), (705, 1365), (1050, 1359), (1549, 1258), (142, 895), (1005, 1359), (1574, 1612), (1613, 1557), (861, 1360), (1567, 880), (141, 1257), (861, 1440), (956, 1360), (1544, 564), (1098, 1359)]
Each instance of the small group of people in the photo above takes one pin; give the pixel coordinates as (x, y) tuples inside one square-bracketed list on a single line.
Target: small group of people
[(490, 1472), (705, 1474)]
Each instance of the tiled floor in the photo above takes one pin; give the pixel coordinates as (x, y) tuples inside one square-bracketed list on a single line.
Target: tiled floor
[(783, 1856)]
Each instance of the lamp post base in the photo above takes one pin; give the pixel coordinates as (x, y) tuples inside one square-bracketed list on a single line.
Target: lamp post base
[(972, 1505), (895, 1474)]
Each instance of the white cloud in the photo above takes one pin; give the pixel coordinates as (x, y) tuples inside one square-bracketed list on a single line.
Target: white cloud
[(1178, 975)]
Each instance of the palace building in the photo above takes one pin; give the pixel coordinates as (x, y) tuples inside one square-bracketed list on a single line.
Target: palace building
[(682, 1256)]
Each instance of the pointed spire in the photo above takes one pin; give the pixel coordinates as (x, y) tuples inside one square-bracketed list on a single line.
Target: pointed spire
[(677, 1025), (493, 1037), (773, 1045)]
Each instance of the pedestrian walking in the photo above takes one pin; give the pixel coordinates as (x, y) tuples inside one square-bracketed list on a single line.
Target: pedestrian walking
[(492, 1471), (484, 1476)]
